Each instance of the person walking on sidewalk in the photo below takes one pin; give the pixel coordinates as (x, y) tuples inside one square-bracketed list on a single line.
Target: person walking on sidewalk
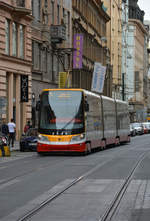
[(27, 127), (12, 130)]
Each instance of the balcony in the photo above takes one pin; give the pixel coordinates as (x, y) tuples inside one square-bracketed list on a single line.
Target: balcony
[(18, 9), (58, 33)]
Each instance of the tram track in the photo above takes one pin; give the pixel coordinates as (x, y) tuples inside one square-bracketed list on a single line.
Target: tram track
[(111, 209), (109, 212)]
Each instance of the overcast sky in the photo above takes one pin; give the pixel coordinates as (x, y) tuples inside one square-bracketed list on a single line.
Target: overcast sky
[(145, 6)]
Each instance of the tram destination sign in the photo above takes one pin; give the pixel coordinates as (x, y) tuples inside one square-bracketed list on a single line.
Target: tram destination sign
[(24, 88)]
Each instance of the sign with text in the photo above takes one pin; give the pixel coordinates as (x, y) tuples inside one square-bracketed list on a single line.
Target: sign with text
[(24, 88), (77, 55), (98, 78)]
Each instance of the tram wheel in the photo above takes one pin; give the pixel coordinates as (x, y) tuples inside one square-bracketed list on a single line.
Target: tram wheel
[(103, 147), (88, 148), (117, 141), (40, 153)]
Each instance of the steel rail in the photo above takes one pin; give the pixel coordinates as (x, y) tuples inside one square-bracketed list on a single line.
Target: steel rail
[(48, 200), (111, 209)]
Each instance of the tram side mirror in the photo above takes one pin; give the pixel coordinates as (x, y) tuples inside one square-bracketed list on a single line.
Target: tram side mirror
[(38, 104), (86, 106)]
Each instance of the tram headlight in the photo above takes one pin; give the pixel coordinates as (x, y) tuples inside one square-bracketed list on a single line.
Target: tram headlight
[(43, 138), (78, 137)]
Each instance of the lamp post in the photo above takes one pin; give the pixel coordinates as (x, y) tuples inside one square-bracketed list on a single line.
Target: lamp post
[(33, 110)]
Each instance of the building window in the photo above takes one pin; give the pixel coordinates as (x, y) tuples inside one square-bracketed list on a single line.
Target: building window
[(58, 14), (44, 60), (21, 3), (14, 39), (68, 13), (52, 11), (46, 3), (36, 9), (36, 55), (137, 81), (64, 14), (21, 32), (7, 37), (17, 36)]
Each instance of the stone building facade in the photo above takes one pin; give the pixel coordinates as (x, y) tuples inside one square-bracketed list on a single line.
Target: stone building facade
[(50, 56), (89, 19), (114, 43), (138, 71), (15, 61)]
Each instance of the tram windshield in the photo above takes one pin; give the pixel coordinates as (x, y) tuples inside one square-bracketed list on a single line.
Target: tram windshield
[(61, 112)]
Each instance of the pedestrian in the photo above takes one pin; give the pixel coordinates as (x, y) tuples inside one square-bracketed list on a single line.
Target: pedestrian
[(27, 127), (12, 130), (4, 128)]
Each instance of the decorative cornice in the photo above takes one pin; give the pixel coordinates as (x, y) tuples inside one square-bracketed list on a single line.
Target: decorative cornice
[(139, 23), (15, 60), (16, 11)]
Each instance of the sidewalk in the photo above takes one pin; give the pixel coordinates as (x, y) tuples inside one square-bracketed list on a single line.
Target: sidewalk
[(16, 146)]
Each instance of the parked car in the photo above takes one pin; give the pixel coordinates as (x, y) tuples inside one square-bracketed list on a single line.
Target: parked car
[(28, 141), (147, 126), (138, 127), (132, 130)]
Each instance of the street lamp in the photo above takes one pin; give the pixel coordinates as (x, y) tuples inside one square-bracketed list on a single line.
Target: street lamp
[(33, 99)]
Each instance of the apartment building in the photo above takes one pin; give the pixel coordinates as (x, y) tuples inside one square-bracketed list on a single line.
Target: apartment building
[(15, 62), (114, 43), (138, 71), (89, 20), (147, 25), (51, 44)]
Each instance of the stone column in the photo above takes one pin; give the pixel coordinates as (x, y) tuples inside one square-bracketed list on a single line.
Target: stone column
[(24, 115), (3, 93), (18, 117), (10, 96)]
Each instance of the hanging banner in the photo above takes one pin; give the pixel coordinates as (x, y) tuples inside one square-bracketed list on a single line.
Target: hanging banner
[(24, 88), (98, 78), (77, 55), (149, 73)]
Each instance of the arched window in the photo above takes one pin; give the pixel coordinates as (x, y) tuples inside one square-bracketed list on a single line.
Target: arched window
[(36, 5)]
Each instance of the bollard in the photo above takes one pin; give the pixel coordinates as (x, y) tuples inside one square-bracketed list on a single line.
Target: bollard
[(4, 151), (7, 151), (1, 152)]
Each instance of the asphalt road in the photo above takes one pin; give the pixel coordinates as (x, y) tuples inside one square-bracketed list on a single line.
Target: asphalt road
[(27, 179)]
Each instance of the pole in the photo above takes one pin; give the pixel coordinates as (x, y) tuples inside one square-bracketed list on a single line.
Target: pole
[(123, 92)]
